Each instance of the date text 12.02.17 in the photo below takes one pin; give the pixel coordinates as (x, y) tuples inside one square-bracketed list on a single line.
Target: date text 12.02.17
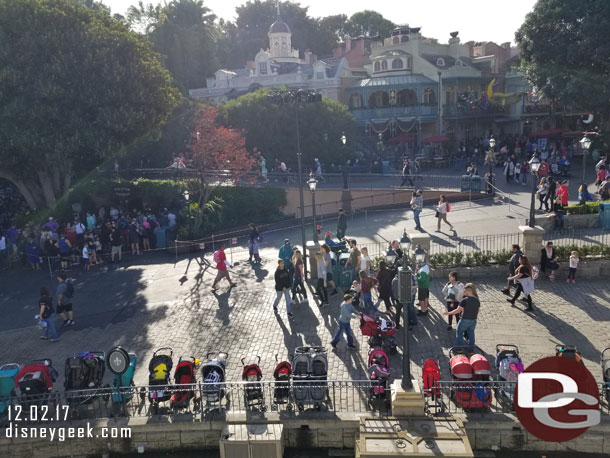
[(17, 413)]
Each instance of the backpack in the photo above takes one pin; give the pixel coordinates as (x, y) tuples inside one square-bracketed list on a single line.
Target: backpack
[(217, 256), (448, 207), (69, 290)]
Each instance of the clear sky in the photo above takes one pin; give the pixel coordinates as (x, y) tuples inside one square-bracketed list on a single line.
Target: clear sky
[(479, 20)]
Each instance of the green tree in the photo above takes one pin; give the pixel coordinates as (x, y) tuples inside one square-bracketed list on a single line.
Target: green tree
[(185, 33), (272, 129), (565, 52), (370, 23), (75, 87)]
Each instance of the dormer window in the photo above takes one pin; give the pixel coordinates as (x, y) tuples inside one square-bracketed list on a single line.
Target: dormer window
[(440, 62), (459, 63), (395, 40), (377, 66), (397, 64), (384, 65)]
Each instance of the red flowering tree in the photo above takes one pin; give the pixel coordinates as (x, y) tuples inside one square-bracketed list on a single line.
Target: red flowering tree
[(219, 156)]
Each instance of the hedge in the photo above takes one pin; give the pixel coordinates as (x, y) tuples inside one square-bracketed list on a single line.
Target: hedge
[(588, 208)]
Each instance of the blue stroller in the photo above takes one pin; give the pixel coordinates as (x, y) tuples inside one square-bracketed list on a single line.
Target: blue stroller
[(8, 372)]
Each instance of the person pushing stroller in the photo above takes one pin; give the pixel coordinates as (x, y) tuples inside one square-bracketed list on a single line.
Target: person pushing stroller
[(347, 313)]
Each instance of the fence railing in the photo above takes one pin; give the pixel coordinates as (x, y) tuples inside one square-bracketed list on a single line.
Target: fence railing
[(469, 244), (293, 397), (578, 237)]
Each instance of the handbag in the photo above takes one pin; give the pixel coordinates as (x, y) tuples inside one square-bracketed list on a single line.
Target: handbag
[(436, 215)]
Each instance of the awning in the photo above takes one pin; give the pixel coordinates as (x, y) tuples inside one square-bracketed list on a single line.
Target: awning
[(545, 133), (401, 139), (437, 139)]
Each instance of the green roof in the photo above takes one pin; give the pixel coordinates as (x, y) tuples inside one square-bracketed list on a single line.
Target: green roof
[(394, 81)]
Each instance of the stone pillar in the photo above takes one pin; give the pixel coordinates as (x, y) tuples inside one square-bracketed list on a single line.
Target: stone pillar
[(312, 249), (406, 403), (532, 242), (423, 239)]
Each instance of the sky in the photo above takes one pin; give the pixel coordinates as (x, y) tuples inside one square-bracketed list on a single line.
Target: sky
[(477, 20)]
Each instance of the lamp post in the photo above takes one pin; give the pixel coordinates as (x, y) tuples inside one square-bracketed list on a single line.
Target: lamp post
[(534, 165), (585, 144), (312, 183), (490, 159), (297, 97)]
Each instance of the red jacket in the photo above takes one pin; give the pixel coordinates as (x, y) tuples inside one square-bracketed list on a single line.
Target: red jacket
[(563, 193)]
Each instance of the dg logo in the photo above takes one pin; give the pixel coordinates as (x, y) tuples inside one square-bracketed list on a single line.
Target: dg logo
[(557, 399)]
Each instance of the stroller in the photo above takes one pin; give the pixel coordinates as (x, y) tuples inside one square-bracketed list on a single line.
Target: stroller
[(380, 331), (253, 390), (605, 364), (431, 376), (281, 392), (159, 370), (473, 370), (123, 383), (84, 374), (8, 372), (185, 380), (569, 351), (213, 375), (310, 369), (378, 372), (35, 381), (509, 366)]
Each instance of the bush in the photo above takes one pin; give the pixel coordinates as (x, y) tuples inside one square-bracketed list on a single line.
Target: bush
[(588, 208)]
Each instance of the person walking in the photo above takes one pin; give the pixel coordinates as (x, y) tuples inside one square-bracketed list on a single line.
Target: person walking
[(347, 313), (512, 266), (524, 281), (366, 286), (423, 288), (417, 205), (341, 224), (365, 261), (115, 242), (384, 281), (298, 285), (45, 313), (353, 261), (573, 266), (469, 309), (550, 195), (543, 189), (453, 292), (406, 174), (563, 194), (442, 209), (282, 287), (32, 253), (64, 295), (547, 260), (253, 243), (134, 237), (222, 265), (329, 268), (321, 283), (285, 255)]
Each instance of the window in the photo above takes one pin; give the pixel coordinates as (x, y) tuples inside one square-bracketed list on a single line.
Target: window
[(320, 75), (262, 68), (440, 62), (397, 64), (429, 97), (409, 62), (395, 40), (459, 63), (384, 65), (355, 101), (377, 66), (276, 44), (404, 38)]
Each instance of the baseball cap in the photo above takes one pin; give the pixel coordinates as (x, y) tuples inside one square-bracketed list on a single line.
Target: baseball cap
[(286, 241)]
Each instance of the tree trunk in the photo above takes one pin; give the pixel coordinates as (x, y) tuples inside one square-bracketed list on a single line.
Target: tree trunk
[(67, 182), (47, 188), (28, 189), (56, 184)]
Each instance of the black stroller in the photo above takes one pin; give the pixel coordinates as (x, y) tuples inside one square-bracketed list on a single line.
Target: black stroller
[(310, 370), (509, 366), (213, 375), (253, 390), (281, 392), (84, 375), (159, 370), (605, 363)]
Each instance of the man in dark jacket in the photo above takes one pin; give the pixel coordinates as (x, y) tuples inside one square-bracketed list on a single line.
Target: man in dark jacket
[(341, 224), (512, 266)]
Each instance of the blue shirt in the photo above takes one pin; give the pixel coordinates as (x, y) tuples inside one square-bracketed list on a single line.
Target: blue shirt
[(286, 254), (347, 312)]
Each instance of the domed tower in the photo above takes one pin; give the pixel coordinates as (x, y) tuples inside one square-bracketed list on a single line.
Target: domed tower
[(280, 37)]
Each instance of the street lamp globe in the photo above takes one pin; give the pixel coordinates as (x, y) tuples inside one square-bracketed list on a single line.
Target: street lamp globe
[(492, 143), (390, 255), (312, 183), (585, 143), (420, 255), (343, 139), (405, 242), (186, 195), (534, 164)]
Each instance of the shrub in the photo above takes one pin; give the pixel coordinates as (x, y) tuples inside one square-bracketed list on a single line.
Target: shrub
[(588, 208)]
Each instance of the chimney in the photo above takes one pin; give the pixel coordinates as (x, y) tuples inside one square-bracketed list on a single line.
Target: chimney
[(348, 45), (506, 45), (454, 45)]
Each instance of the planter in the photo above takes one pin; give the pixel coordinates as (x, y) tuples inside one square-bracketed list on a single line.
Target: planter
[(586, 221)]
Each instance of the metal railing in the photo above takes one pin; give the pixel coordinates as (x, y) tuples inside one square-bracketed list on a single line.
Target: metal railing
[(476, 243), (293, 397), (578, 237)]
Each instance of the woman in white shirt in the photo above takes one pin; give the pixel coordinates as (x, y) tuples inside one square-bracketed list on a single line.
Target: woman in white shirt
[(543, 188), (441, 213), (365, 261)]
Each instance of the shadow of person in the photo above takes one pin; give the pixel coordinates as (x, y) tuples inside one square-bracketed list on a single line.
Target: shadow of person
[(224, 308)]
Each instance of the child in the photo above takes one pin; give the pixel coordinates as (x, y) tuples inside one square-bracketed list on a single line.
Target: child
[(86, 257), (347, 313), (573, 267), (517, 172), (354, 291)]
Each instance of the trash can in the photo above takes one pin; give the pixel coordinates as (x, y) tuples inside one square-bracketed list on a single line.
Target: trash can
[(465, 186), (342, 275), (160, 238), (475, 183), (604, 215)]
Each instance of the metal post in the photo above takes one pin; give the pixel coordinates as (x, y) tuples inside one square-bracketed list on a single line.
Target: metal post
[(404, 296), (532, 221), (313, 207), (584, 165), (301, 200), (50, 268)]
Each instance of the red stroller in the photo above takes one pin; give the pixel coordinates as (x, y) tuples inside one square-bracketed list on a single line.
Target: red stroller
[(253, 390), (380, 331), (185, 379), (431, 376), (35, 382), (473, 369), (379, 374), (281, 391)]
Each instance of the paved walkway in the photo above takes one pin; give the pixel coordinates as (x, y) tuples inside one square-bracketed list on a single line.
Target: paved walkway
[(149, 306)]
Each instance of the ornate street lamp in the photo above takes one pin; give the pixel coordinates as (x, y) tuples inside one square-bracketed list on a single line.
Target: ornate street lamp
[(585, 144), (534, 165), (313, 183), (343, 138), (490, 159)]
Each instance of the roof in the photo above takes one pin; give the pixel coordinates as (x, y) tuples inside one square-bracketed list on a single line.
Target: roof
[(392, 53), (394, 81), (449, 61), (279, 26)]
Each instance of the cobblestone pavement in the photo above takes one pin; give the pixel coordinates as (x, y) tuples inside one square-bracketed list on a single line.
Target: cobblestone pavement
[(149, 306)]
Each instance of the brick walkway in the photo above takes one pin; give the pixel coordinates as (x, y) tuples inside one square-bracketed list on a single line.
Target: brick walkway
[(145, 307)]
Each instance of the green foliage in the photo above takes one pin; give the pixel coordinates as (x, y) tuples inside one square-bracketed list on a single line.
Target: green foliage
[(76, 86), (502, 257), (369, 23), (472, 259), (375, 260), (588, 208), (565, 53), (272, 129)]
